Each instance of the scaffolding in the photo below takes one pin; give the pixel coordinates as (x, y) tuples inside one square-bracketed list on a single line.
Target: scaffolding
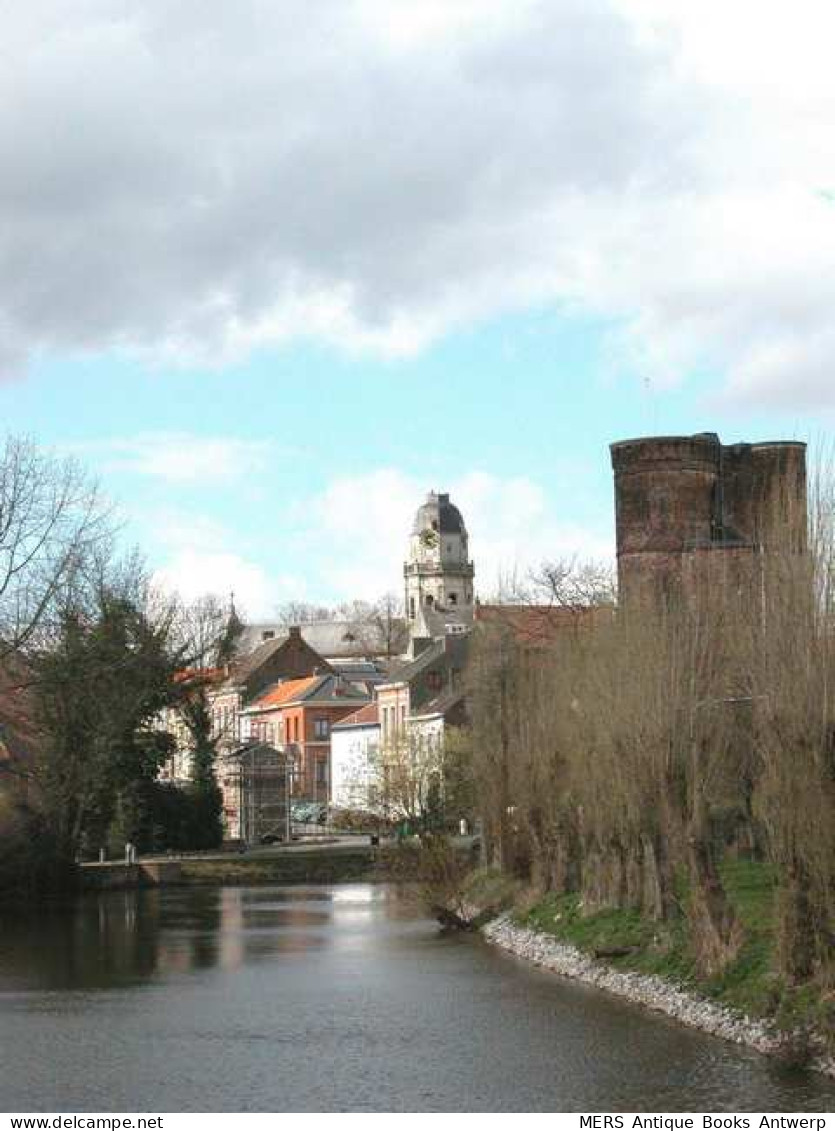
[(263, 794)]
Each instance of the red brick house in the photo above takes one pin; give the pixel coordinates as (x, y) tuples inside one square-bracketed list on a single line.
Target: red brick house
[(232, 688), (297, 716)]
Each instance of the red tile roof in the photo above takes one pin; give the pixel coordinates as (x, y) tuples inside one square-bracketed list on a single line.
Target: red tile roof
[(368, 715), (539, 624), (287, 692), (203, 675)]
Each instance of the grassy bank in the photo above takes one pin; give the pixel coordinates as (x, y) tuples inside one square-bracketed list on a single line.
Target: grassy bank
[(626, 941)]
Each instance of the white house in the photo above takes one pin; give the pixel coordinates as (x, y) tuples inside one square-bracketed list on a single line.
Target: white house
[(355, 744)]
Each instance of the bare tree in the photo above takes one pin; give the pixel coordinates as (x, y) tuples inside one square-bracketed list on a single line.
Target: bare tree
[(52, 518), (207, 630), (573, 583), (304, 612), (381, 624)]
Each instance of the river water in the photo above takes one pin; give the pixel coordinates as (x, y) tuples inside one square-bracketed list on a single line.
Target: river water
[(331, 999)]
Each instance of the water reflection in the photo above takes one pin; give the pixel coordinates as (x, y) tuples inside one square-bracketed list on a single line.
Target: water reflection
[(306, 999), (122, 938)]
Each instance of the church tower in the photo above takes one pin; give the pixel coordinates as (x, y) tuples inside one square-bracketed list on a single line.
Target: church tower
[(438, 573)]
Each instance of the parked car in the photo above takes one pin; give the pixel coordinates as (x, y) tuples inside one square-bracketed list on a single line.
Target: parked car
[(309, 812)]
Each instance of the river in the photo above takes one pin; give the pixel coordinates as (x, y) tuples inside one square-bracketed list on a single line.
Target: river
[(331, 999)]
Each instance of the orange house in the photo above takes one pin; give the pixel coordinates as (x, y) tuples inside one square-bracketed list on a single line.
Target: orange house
[(297, 716)]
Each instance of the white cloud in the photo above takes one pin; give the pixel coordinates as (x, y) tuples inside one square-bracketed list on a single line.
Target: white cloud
[(360, 527), (195, 558), (200, 180), (192, 573), (351, 539), (182, 457)]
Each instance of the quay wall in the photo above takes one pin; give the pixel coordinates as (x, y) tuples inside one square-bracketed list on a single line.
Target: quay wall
[(293, 866)]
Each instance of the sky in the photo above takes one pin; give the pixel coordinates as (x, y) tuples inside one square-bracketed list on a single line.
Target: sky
[(274, 270)]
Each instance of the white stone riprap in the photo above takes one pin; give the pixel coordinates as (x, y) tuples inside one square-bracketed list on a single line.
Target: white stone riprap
[(644, 989)]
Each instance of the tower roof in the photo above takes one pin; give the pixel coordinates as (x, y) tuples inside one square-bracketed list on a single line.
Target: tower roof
[(438, 513)]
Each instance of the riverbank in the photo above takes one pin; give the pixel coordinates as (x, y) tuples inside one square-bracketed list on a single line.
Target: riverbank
[(644, 962), (323, 864), (647, 990)]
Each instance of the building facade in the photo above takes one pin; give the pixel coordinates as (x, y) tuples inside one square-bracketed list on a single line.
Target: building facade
[(355, 749), (297, 716), (438, 573)]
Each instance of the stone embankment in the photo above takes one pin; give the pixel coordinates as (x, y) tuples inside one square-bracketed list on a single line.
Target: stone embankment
[(644, 989), (327, 864)]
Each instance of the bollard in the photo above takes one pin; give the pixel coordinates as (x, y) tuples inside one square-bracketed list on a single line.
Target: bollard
[(102, 856), (462, 827)]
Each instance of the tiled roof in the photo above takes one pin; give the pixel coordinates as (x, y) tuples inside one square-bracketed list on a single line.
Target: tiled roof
[(442, 704), (287, 692), (332, 639), (369, 715), (406, 670), (537, 624), (202, 675), (249, 664), (324, 690)]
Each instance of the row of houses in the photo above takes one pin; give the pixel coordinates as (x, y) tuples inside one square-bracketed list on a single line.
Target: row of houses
[(326, 732), (325, 705), (327, 716), (311, 712)]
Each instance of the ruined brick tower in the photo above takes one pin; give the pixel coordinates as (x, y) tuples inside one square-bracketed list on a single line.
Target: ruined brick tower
[(680, 500)]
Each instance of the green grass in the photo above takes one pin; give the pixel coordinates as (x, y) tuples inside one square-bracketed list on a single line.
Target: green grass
[(490, 888), (749, 984)]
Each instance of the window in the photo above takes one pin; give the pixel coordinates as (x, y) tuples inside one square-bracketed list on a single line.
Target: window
[(321, 772), (411, 608), (453, 598), (433, 681), (268, 634), (321, 728)]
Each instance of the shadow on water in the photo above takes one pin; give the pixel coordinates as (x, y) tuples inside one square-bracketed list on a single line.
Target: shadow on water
[(322, 999)]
